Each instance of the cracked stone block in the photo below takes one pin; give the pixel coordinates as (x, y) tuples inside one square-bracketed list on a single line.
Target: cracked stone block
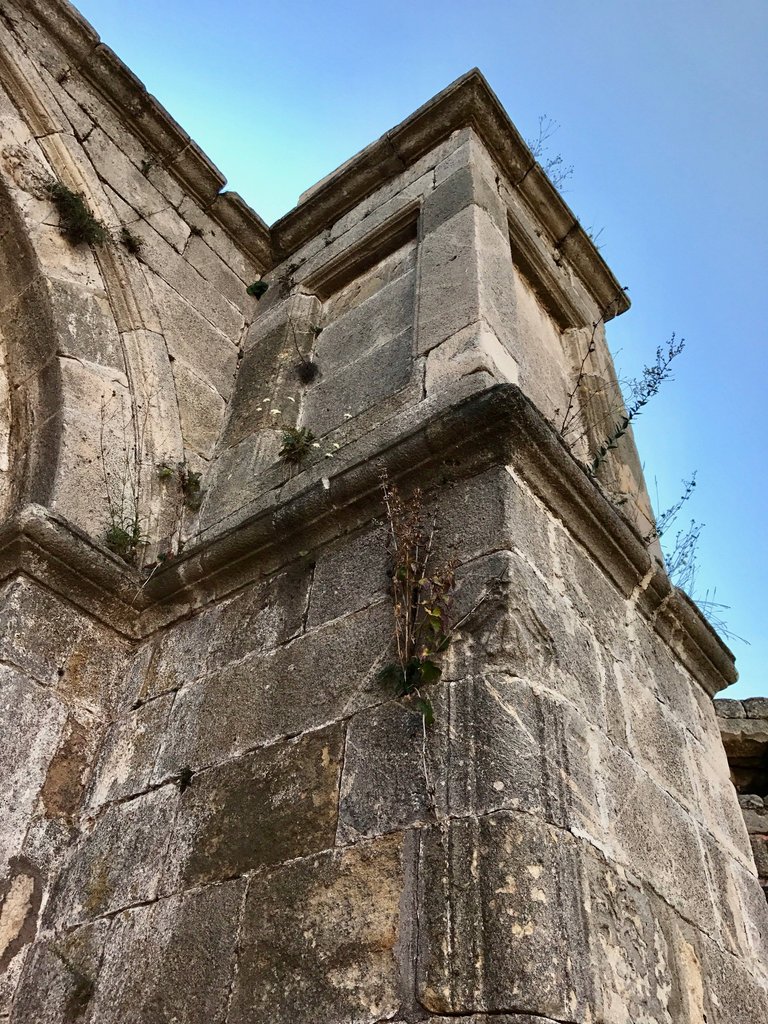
[(59, 978), (502, 923), (321, 938), (118, 862), (267, 807), (187, 978), (266, 696)]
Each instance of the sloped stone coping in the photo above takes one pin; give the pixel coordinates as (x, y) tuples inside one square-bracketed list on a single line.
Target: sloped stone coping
[(467, 102), (496, 426)]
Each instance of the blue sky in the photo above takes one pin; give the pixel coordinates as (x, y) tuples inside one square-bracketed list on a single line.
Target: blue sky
[(662, 107)]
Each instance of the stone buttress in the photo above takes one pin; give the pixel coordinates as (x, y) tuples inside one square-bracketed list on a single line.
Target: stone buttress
[(215, 812)]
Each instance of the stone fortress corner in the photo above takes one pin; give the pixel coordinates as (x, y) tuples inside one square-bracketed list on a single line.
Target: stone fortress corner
[(214, 811)]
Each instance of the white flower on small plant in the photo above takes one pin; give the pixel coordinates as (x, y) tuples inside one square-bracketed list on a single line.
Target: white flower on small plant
[(275, 412)]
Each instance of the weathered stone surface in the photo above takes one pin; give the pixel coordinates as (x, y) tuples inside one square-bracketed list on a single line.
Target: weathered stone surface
[(388, 778), (60, 978), (374, 310), (193, 340), (744, 737), (511, 885), (755, 707), (348, 575), (265, 808), (261, 618), (372, 377), (727, 708), (654, 837), (320, 939), (201, 411), (32, 721), (629, 948), (118, 862), (264, 697), (189, 976), (127, 757)]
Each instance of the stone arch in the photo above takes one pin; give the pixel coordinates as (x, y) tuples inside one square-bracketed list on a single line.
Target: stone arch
[(81, 330), (30, 379)]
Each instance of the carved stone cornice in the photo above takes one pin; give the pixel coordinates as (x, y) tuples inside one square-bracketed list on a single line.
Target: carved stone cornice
[(498, 426)]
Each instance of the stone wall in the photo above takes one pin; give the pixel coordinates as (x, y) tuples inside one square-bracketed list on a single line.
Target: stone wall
[(744, 729), (218, 811)]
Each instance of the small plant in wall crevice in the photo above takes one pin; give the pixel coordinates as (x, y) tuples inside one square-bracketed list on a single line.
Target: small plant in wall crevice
[(421, 600), (76, 221), (297, 444)]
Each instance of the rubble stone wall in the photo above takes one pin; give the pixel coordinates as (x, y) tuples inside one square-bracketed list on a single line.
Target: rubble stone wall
[(216, 810)]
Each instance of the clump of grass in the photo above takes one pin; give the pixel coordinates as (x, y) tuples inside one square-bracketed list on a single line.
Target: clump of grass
[(297, 442), (124, 539), (76, 221), (132, 242)]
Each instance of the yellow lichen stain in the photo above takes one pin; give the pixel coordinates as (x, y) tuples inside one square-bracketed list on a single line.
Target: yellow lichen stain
[(14, 910), (522, 930)]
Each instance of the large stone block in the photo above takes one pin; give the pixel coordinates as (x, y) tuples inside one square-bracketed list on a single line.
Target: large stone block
[(193, 340), (349, 574), (375, 375), (127, 757), (270, 806), (502, 925), (187, 978), (496, 744), (118, 862), (381, 308), (655, 838), (60, 978), (629, 948), (321, 939), (262, 617), (268, 696), (31, 725)]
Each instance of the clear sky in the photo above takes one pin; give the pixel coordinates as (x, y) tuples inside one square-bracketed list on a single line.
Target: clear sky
[(663, 111)]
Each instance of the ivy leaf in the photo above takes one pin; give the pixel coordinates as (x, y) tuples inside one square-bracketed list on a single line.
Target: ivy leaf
[(392, 675), (424, 706), (430, 672)]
